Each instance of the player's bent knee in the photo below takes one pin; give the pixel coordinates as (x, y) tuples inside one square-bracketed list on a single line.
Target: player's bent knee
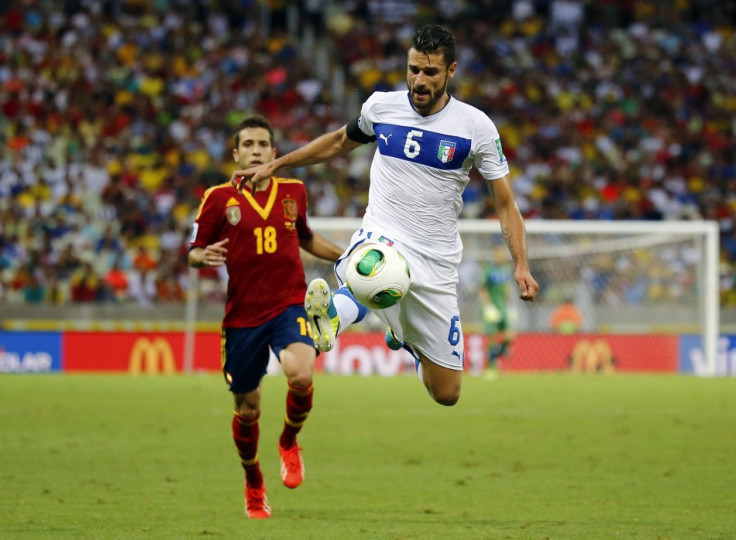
[(298, 375), (447, 394), (248, 406), (297, 362), (448, 399), (442, 384), (300, 380)]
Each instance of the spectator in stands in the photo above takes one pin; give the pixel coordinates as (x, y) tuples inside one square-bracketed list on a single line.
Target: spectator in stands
[(85, 285), (34, 291), (143, 260), (142, 286), (67, 263), (108, 241), (168, 289), (566, 318), (116, 283)]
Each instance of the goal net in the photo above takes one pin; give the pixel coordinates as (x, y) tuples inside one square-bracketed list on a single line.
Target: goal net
[(645, 294)]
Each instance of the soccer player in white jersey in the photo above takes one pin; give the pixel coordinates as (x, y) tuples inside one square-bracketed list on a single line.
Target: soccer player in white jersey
[(427, 143)]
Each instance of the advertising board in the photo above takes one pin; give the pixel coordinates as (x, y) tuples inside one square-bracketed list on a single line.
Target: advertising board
[(361, 353), (30, 352)]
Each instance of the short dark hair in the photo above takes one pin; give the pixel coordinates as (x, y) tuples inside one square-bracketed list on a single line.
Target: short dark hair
[(254, 120), (433, 37)]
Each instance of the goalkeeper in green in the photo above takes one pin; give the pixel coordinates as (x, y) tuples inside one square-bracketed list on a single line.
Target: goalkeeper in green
[(495, 311)]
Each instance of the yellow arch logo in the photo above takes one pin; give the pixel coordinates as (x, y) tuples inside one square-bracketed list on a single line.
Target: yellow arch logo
[(151, 357), (594, 356)]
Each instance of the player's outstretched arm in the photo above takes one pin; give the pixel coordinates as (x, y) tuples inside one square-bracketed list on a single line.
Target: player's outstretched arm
[(512, 227), (320, 247), (320, 149)]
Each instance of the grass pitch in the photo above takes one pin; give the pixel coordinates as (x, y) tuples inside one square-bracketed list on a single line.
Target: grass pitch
[(525, 456)]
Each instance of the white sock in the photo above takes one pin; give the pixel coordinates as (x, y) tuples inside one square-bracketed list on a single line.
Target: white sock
[(347, 310)]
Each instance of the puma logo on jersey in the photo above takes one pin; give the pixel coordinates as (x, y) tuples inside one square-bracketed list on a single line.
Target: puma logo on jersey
[(384, 137)]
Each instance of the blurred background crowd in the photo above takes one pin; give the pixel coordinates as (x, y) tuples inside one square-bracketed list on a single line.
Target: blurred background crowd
[(116, 115)]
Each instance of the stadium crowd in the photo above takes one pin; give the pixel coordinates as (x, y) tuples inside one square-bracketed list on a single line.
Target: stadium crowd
[(117, 115)]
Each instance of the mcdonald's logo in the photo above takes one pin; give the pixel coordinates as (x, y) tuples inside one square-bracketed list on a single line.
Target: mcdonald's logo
[(152, 355), (592, 356)]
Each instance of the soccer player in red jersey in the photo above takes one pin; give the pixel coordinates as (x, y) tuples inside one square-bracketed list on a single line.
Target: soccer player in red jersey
[(257, 236)]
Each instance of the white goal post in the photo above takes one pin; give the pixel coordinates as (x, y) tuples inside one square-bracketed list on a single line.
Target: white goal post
[(627, 277)]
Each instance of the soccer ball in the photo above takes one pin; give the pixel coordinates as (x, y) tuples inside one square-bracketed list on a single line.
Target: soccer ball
[(378, 276)]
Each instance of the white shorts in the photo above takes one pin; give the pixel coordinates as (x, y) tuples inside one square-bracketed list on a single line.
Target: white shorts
[(427, 318)]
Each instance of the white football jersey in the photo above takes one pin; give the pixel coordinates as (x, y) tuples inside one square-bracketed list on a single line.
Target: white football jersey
[(421, 168)]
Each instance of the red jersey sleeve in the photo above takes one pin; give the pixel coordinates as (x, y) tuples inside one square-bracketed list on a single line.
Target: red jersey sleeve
[(302, 223), (208, 221)]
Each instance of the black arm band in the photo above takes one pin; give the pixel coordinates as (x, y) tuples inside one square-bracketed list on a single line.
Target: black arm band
[(354, 133)]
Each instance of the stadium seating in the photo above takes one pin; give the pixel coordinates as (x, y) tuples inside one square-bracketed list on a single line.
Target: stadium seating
[(116, 116)]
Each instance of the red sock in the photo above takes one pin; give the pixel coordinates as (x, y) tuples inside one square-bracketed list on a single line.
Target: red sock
[(298, 405), (245, 435)]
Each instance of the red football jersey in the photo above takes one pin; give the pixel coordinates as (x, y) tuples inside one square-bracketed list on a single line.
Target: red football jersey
[(263, 259)]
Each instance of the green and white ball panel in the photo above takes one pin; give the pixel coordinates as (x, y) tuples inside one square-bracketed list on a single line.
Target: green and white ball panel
[(378, 276)]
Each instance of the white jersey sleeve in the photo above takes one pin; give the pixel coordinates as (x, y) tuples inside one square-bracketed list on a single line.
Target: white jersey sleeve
[(489, 158)]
